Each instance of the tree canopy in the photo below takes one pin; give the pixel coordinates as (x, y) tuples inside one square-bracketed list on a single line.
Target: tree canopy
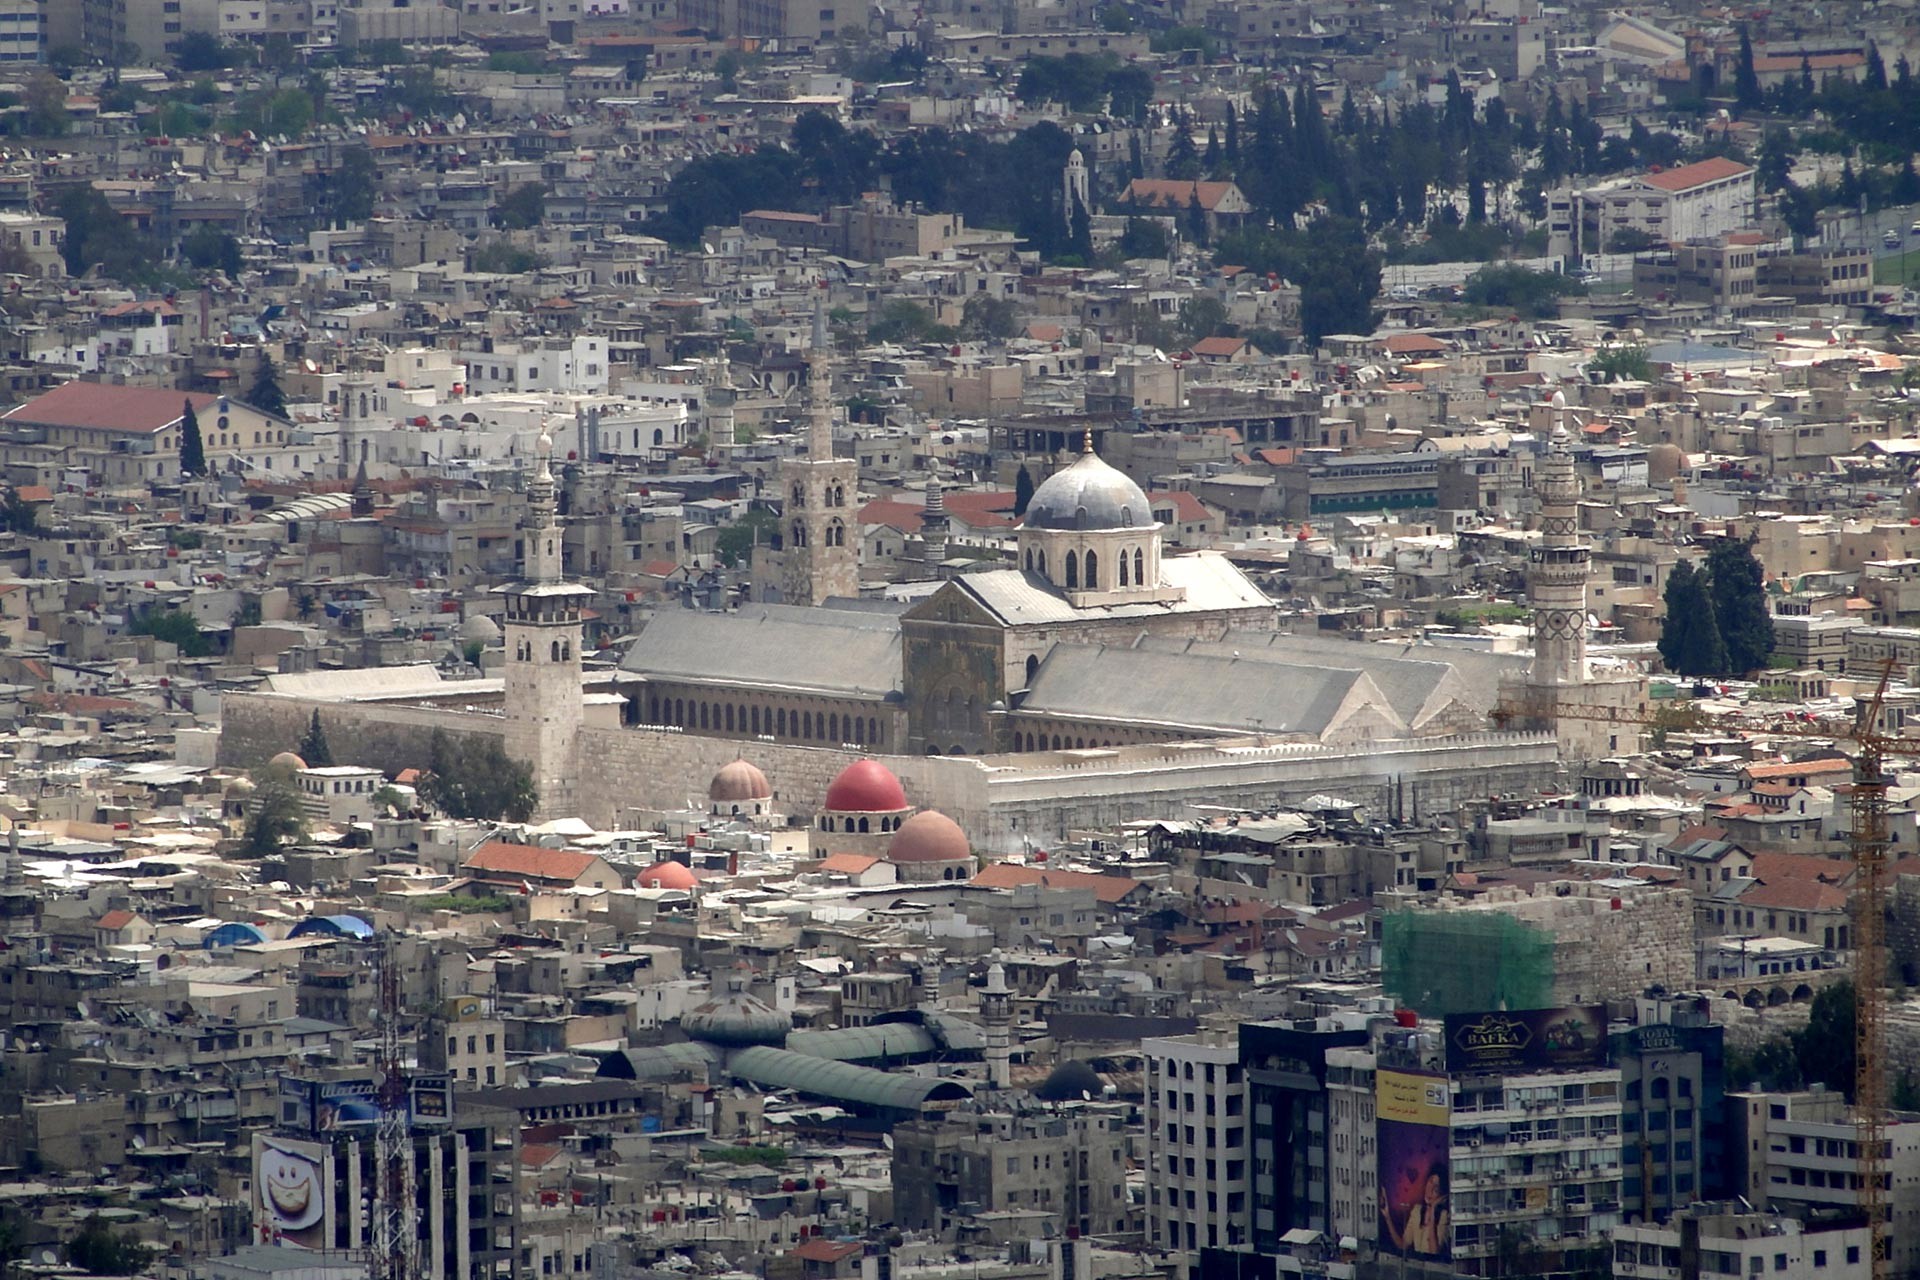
[(1740, 602), (473, 777), (1690, 642)]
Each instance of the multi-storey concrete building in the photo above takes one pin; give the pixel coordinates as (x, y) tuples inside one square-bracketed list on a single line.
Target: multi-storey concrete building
[(1069, 1164), (1197, 1155)]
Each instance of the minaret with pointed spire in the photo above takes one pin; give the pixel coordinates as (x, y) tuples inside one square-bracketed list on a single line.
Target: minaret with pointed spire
[(544, 707), (819, 558)]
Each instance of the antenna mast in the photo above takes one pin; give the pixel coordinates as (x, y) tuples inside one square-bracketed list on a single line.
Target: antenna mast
[(395, 1210)]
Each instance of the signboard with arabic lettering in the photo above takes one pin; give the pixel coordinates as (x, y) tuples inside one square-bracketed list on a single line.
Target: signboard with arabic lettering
[(1567, 1038)]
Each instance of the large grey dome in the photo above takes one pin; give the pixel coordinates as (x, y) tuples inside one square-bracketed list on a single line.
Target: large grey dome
[(736, 1019), (1088, 495)]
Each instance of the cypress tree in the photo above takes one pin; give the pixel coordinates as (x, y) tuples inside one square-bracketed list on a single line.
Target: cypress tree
[(193, 451), (314, 748), (1746, 85), (1022, 490), (1690, 641), (266, 395), (1738, 588)]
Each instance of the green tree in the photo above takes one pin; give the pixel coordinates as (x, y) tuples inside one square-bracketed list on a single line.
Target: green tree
[(1824, 1047), (525, 206), (193, 451), (1739, 592), (210, 249), (17, 514), (1511, 287), (1619, 360), (736, 541), (987, 317), (313, 747), (46, 101), (473, 777), (1746, 84), (199, 51), (1144, 238), (354, 185), (1202, 316), (1690, 641), (278, 818), (266, 395), (504, 259), (1339, 279), (1022, 490), (99, 1250), (175, 628)]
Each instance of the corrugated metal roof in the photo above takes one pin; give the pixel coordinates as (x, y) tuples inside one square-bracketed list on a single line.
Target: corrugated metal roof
[(876, 1043), (1021, 598), (842, 1081)]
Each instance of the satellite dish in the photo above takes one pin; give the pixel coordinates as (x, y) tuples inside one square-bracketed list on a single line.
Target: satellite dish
[(83, 1008)]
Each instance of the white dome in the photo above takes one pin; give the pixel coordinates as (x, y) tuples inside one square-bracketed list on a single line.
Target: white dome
[(1089, 495)]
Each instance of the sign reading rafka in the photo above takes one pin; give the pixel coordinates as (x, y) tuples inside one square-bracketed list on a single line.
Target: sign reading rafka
[(1570, 1037)]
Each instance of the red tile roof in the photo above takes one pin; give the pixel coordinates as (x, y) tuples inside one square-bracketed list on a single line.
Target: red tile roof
[(1106, 889), (102, 407), (1185, 505), (1173, 193), (1402, 344), (114, 921), (1698, 174), (829, 1251), (1774, 867), (1796, 895), (1223, 348), (847, 864), (499, 858)]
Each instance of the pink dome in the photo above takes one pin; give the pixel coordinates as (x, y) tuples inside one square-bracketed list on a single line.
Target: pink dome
[(865, 786), (929, 836), (667, 875), (739, 781)]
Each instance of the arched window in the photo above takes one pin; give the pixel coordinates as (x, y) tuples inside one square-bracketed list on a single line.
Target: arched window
[(833, 727), (836, 534), (703, 717), (780, 722), (556, 651), (566, 651), (1033, 668), (679, 711), (1139, 567), (806, 724), (1093, 571), (799, 498), (863, 826), (1043, 562), (1029, 559), (729, 717), (799, 534), (873, 729), (1123, 568), (653, 709), (659, 436), (1073, 571)]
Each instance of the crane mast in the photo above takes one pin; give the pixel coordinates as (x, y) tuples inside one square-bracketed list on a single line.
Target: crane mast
[(395, 1242), (1868, 839)]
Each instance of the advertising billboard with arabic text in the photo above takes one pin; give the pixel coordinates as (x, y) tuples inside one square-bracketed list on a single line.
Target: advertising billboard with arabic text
[(1571, 1037)]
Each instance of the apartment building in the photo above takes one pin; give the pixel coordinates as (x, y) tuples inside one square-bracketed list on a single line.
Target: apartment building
[(1196, 1123), (1692, 202), (1730, 1239)]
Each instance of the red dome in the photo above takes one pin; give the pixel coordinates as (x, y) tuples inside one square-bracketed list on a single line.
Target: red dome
[(929, 837), (667, 875), (866, 786)]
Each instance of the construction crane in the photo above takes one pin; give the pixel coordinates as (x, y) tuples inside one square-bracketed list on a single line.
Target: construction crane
[(395, 1243), (1868, 840)]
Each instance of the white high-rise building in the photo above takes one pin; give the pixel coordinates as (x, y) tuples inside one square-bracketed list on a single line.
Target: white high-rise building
[(1196, 1143)]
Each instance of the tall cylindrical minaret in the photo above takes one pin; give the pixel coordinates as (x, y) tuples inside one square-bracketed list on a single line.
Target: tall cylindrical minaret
[(996, 1020), (1557, 582), (542, 537), (933, 524), (819, 385), (1073, 187)]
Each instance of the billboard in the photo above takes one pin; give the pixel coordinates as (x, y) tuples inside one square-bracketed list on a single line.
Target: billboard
[(291, 1179), (1571, 1037), (1411, 1113), (353, 1106)]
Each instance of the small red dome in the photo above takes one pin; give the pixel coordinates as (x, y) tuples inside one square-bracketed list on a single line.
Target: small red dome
[(866, 786), (929, 836), (667, 875), (739, 781)]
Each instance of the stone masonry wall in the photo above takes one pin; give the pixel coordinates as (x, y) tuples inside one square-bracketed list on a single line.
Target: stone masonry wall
[(1002, 802)]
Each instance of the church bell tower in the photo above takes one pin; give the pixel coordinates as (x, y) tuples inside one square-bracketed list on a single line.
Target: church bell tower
[(543, 636)]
